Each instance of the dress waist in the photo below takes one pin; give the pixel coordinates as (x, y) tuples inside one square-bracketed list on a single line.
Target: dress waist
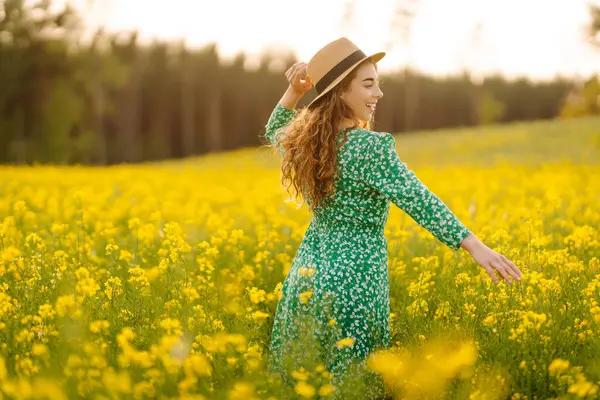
[(328, 223)]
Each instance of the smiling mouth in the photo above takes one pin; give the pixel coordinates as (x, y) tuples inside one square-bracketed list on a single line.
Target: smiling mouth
[(371, 106)]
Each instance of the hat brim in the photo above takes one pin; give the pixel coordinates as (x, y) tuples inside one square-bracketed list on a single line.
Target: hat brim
[(375, 57)]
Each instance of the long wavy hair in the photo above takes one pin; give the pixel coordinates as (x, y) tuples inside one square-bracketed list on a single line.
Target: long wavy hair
[(311, 145)]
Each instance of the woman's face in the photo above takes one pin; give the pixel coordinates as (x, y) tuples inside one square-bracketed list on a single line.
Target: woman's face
[(364, 92)]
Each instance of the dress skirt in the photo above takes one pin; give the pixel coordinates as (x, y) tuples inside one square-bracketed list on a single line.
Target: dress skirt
[(334, 307)]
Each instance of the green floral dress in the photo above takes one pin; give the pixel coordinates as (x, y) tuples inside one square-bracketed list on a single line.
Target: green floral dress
[(338, 285)]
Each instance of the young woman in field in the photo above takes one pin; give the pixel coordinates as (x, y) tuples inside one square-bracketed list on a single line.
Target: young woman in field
[(348, 174)]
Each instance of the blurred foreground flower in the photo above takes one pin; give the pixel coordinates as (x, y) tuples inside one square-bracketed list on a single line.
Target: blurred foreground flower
[(426, 371)]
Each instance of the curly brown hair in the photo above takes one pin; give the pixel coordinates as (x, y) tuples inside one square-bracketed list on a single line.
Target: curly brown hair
[(311, 144)]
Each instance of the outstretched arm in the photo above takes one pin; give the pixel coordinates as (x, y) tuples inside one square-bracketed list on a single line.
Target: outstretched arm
[(389, 175), (386, 173)]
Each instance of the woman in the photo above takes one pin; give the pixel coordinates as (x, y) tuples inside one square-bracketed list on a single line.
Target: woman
[(337, 290)]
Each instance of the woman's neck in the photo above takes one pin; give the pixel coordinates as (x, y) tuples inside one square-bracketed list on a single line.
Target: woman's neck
[(347, 123)]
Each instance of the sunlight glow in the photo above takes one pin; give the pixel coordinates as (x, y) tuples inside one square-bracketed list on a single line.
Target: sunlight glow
[(538, 38)]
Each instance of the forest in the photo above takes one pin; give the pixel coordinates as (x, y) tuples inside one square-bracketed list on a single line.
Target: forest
[(114, 100)]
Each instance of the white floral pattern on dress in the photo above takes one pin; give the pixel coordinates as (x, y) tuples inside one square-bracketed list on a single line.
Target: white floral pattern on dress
[(346, 250)]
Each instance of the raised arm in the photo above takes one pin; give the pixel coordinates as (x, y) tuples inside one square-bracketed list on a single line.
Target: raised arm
[(285, 110), (280, 118)]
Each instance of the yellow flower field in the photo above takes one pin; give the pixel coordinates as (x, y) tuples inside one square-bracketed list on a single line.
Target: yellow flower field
[(161, 280)]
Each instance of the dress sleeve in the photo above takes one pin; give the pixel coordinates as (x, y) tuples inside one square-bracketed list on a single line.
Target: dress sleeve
[(386, 173), (279, 118)]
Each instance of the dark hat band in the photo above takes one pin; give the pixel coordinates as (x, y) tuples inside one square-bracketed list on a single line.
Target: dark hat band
[(339, 69)]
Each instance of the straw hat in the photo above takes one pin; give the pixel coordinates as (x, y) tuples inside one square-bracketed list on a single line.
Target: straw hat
[(332, 63)]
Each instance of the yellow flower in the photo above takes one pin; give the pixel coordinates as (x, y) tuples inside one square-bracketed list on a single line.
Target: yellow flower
[(114, 287), (138, 276), (300, 375), (259, 315), (327, 375), (304, 297), (213, 252), (46, 311), (86, 285), (3, 372), (218, 324), (39, 349), (142, 390), (172, 326), (256, 295), (133, 223), (57, 229), (277, 290), (583, 388), (232, 361), (156, 271), (66, 306), (236, 234), (242, 391), (462, 279), (326, 390), (111, 248), (49, 387), (197, 364), (25, 366), (304, 389), (418, 307), (490, 320), (346, 342), (558, 366), (125, 255), (116, 382)]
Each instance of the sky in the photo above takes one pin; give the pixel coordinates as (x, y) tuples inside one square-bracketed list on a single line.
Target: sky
[(535, 38)]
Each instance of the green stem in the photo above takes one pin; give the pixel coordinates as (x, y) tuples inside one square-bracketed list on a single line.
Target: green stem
[(135, 257)]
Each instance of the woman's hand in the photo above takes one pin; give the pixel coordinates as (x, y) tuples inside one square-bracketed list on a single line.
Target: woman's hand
[(294, 76), (491, 260)]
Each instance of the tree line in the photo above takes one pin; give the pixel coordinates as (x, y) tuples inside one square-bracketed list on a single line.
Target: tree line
[(114, 100)]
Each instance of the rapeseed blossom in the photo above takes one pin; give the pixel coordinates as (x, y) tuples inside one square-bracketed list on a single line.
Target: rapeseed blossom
[(132, 282)]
